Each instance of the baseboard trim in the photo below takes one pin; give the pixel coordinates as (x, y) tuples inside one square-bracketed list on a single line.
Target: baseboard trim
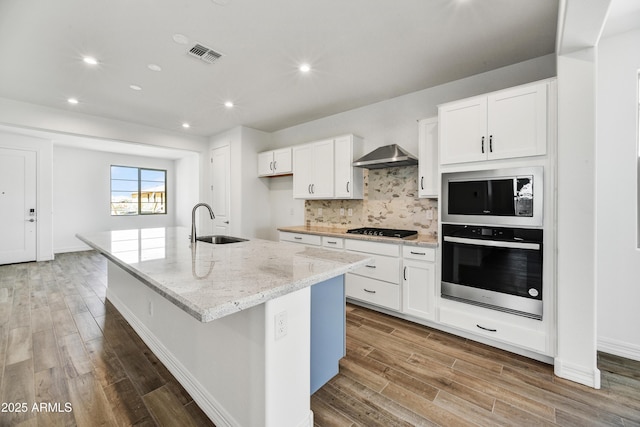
[(577, 373), (82, 248), (619, 348), (200, 395)]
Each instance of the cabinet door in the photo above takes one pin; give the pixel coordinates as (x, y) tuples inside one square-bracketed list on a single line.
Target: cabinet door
[(463, 130), (428, 157), (265, 163), (517, 122), (321, 163), (343, 170), (418, 293), (302, 171), (282, 163)]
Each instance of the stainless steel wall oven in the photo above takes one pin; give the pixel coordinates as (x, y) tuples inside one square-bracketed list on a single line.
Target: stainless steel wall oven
[(492, 239), (495, 267)]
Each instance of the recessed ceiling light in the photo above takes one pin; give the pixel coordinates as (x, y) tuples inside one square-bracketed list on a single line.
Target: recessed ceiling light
[(135, 87), (72, 101), (90, 60), (154, 67), (305, 68), (186, 125), (228, 104), (180, 39)]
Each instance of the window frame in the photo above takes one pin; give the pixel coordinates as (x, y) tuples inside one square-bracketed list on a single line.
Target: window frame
[(140, 170)]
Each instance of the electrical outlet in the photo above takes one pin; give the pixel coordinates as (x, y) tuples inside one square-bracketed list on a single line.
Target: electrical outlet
[(429, 214), (341, 211), (281, 325), (350, 212), (319, 211)]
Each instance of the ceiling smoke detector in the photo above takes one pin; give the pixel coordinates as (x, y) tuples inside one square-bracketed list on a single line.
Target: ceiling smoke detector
[(204, 53)]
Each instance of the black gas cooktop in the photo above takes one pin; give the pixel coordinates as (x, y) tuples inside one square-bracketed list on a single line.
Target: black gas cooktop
[(385, 232)]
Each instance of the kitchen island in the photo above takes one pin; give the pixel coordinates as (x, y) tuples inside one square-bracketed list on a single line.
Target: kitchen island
[(249, 329)]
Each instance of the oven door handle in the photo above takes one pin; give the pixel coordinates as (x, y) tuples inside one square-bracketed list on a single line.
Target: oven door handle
[(493, 243)]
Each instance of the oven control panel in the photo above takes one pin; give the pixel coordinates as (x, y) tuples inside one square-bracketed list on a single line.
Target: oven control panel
[(493, 233)]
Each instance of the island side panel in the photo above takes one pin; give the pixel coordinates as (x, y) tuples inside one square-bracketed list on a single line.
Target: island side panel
[(221, 363), (328, 330)]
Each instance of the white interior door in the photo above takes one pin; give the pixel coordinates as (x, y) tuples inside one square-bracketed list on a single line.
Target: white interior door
[(18, 226), (220, 188)]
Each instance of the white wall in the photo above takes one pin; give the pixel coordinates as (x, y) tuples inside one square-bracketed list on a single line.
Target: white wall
[(43, 149), (618, 262), (391, 121), (81, 195)]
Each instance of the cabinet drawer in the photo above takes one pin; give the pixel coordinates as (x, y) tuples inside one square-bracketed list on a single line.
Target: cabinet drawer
[(382, 268), (307, 239), (333, 242), (499, 330), (419, 253), (372, 247), (373, 291)]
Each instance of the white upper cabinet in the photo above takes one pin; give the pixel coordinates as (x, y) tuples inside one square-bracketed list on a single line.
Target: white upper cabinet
[(428, 157), (348, 179), (501, 125), (275, 162), (313, 170), (322, 169)]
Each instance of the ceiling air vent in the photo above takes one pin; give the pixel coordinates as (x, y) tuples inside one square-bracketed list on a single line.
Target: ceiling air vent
[(204, 53)]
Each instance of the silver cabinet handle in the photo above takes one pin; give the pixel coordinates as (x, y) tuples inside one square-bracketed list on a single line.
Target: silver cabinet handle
[(483, 145), (491, 143), (313, 189), (367, 290), (271, 166), (30, 220), (297, 238), (487, 329), (370, 266), (275, 165), (404, 273), (332, 243), (417, 253), (309, 189), (226, 222), (347, 186)]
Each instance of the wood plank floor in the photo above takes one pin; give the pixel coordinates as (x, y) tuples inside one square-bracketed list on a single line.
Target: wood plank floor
[(66, 351)]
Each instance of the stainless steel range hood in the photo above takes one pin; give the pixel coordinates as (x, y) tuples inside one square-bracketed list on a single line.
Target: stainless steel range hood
[(385, 157)]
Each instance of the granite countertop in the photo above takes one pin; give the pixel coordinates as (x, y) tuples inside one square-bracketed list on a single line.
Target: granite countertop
[(212, 281), (421, 240)]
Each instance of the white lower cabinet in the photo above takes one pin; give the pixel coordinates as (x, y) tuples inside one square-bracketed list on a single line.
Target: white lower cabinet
[(307, 239), (510, 329), (379, 281), (419, 276), (373, 291)]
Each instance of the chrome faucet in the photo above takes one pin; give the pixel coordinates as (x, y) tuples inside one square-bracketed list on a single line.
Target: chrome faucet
[(193, 219)]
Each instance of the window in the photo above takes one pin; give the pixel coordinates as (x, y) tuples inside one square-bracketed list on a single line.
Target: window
[(138, 191)]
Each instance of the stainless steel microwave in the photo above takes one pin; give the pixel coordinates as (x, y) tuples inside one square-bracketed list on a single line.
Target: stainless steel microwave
[(510, 197)]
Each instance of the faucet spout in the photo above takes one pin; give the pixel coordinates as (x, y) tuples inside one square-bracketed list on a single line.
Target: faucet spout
[(193, 219)]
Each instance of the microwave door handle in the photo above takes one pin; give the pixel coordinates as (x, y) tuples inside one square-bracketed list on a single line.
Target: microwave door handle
[(493, 243)]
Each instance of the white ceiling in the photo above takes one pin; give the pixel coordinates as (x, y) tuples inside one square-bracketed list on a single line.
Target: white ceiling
[(361, 52)]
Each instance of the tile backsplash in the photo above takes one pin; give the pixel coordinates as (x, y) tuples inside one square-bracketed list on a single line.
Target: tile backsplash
[(390, 201)]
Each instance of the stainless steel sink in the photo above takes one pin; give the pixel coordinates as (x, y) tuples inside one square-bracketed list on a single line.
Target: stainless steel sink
[(219, 239)]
